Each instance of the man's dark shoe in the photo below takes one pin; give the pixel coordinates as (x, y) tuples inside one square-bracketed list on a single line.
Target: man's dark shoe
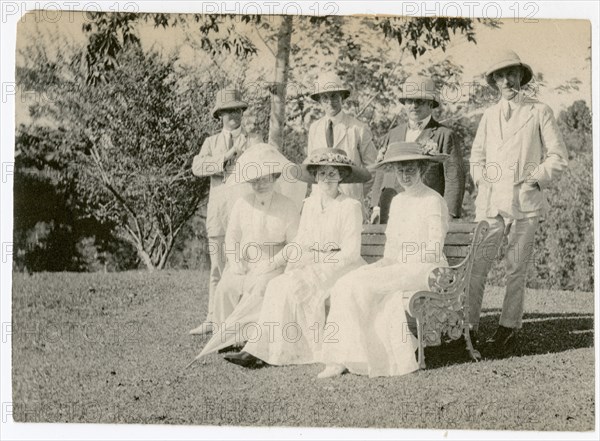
[(244, 359), (505, 339)]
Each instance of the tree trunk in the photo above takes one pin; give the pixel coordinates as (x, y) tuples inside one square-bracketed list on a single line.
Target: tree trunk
[(146, 259), (278, 91)]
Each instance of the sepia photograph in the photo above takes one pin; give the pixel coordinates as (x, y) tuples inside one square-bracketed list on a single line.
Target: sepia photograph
[(299, 216)]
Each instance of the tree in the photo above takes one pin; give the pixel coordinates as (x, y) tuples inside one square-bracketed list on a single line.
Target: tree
[(126, 147)]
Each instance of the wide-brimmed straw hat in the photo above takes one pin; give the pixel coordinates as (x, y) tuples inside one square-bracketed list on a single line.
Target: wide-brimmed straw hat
[(420, 88), (411, 151), (228, 98), (507, 58), (261, 160), (329, 82), (336, 158)]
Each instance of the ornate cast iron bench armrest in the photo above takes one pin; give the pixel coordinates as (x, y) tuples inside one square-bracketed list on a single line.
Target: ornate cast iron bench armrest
[(443, 310)]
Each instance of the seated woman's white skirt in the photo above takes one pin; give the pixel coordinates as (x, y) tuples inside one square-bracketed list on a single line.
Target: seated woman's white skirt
[(292, 317), (367, 310), (232, 286), (238, 301)]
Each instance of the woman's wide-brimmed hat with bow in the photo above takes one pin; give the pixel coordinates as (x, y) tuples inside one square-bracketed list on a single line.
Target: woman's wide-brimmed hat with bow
[(420, 88), (329, 82), (336, 158), (411, 151), (261, 160), (507, 58), (228, 98)]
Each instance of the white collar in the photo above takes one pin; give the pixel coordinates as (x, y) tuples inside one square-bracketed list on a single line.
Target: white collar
[(515, 102), (235, 133), (337, 118), (423, 123)]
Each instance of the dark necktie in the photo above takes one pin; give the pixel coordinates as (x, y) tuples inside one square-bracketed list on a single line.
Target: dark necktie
[(329, 134), (231, 160)]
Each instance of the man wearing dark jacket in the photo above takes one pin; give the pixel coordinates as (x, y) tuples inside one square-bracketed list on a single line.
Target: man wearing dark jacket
[(420, 97)]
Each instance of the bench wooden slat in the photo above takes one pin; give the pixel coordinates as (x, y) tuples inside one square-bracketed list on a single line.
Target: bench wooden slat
[(462, 227), (456, 251), (451, 239), (453, 261), (372, 250), (453, 227), (449, 251), (374, 228), (458, 239), (371, 259), (373, 239)]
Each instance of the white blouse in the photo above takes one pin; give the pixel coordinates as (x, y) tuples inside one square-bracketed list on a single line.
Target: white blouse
[(336, 227), (417, 226), (258, 229)]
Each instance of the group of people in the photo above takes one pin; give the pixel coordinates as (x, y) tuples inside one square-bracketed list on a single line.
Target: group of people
[(287, 281)]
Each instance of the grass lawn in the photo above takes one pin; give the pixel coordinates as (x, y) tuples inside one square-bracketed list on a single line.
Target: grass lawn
[(112, 348)]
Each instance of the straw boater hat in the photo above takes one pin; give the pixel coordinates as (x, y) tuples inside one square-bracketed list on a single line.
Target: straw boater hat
[(229, 98), (329, 82), (334, 157), (504, 59), (261, 160), (420, 88), (411, 151)]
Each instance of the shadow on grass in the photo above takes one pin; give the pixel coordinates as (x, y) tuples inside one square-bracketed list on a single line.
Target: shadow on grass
[(540, 334)]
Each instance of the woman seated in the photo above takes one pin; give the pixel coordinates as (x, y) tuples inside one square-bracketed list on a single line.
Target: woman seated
[(290, 326), (261, 223), (367, 305)]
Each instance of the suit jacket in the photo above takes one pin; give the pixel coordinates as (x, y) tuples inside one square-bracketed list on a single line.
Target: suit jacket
[(210, 162), (511, 172), (448, 179), (352, 136)]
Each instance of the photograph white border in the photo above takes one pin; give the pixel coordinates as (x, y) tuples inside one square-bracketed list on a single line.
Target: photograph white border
[(12, 11)]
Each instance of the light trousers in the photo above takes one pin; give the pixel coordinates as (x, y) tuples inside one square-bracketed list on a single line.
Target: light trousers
[(216, 251), (518, 256)]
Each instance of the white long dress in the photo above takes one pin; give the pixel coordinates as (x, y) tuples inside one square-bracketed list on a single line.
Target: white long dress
[(367, 305), (293, 312), (257, 230)]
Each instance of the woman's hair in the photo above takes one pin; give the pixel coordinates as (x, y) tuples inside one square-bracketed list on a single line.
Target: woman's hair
[(423, 165), (343, 170)]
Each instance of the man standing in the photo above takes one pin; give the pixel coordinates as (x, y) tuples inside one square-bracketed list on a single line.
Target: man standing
[(419, 96), (217, 159), (517, 153), (339, 130)]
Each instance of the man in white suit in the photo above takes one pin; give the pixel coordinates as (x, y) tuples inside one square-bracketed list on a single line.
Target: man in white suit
[(517, 153), (217, 159), (339, 130)]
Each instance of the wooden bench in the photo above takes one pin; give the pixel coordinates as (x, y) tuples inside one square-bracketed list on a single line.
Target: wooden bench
[(444, 308)]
